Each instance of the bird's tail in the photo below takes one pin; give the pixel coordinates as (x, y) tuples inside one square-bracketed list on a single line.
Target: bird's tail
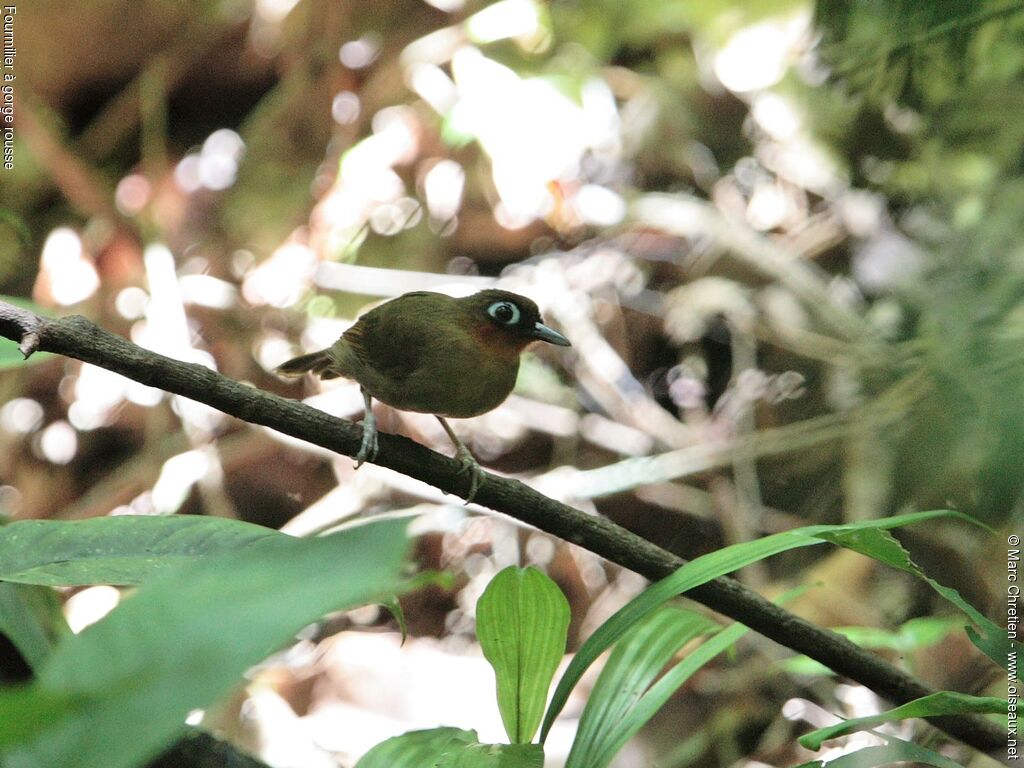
[(315, 362)]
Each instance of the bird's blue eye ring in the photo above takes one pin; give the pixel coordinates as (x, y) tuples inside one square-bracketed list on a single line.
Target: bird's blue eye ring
[(505, 312)]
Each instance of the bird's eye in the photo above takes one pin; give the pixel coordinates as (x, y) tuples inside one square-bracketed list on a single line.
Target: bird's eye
[(505, 312)]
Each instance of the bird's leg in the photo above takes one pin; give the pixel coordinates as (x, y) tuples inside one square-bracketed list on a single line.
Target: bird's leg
[(368, 450), (476, 475)]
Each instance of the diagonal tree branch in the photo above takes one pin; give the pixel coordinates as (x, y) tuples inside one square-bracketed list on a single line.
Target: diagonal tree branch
[(78, 338)]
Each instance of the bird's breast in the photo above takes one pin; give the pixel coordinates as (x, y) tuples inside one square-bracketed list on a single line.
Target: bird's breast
[(452, 378)]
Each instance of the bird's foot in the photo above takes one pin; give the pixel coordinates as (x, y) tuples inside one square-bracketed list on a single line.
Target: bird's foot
[(469, 465), (472, 468), (368, 450)]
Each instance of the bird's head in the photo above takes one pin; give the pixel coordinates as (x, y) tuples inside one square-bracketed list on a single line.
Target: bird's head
[(508, 322)]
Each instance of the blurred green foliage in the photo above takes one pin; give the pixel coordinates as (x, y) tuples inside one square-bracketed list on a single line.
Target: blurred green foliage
[(936, 88)]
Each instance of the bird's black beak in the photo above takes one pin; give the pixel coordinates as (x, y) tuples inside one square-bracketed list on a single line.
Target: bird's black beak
[(550, 335)]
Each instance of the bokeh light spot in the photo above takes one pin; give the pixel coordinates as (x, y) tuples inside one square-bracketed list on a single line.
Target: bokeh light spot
[(58, 443), (21, 416)]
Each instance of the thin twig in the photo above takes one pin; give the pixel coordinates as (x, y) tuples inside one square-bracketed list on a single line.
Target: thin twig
[(749, 504), (686, 216), (633, 472), (77, 337)]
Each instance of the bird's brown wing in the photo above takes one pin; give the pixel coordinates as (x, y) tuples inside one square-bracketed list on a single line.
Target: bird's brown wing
[(385, 339)]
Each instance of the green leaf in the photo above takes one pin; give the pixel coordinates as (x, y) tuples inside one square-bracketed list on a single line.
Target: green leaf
[(392, 606), (114, 695), (609, 718), (449, 748), (941, 703), (911, 636), (923, 632), (988, 636), (693, 574), (660, 692), (896, 751), (415, 749), (31, 617), (521, 621), (10, 355), (492, 756), (125, 549)]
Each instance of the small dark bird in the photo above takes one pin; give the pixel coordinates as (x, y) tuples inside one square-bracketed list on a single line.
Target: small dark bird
[(431, 353)]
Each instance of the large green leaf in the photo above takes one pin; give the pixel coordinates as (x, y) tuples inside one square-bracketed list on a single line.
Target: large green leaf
[(117, 693), (521, 621), (910, 636), (630, 670), (125, 549), (493, 756), (449, 748), (31, 618), (896, 751), (988, 636), (415, 749), (656, 696), (695, 573), (941, 703)]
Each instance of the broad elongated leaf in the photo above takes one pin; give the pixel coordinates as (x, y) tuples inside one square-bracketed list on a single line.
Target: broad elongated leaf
[(989, 637), (449, 748), (493, 756), (123, 550), (660, 692), (633, 665), (117, 693), (896, 751), (911, 636), (609, 740), (521, 621), (941, 703), (415, 749), (693, 574), (31, 617)]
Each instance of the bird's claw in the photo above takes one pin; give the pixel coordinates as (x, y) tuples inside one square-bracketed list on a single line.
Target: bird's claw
[(476, 475), (368, 448), (470, 466), (367, 452)]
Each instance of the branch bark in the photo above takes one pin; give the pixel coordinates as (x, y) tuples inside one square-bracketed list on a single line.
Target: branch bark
[(78, 338)]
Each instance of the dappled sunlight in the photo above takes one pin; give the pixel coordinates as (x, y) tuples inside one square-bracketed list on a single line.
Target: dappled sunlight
[(507, 115), (360, 53), (66, 274), (178, 475), (89, 605), (215, 166), (21, 415), (133, 194), (375, 687), (97, 394), (507, 18), (758, 56), (57, 443), (282, 279)]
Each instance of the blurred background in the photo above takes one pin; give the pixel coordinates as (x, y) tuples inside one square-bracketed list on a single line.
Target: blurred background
[(784, 237)]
